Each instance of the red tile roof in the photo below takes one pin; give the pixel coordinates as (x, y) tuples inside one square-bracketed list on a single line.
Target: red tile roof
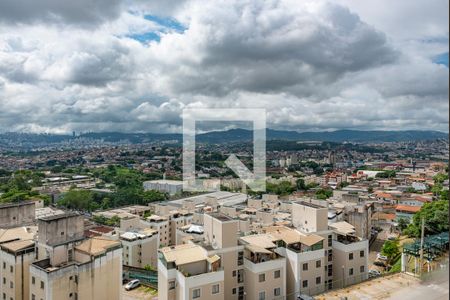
[(407, 208)]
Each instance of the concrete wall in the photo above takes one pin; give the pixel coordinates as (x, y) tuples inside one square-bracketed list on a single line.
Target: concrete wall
[(17, 214)]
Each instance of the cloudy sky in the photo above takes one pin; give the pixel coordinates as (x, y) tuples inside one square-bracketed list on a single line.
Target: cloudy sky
[(122, 65)]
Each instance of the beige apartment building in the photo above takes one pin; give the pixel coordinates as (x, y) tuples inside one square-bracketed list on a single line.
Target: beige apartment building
[(264, 268), (309, 216), (68, 266), (278, 263), (187, 272), (16, 254), (17, 214), (350, 255), (140, 248), (305, 260)]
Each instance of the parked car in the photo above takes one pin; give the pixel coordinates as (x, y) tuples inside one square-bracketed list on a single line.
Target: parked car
[(304, 297), (374, 273), (381, 257), (132, 284), (379, 263)]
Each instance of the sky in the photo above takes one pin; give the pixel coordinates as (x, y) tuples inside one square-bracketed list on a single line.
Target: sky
[(134, 65)]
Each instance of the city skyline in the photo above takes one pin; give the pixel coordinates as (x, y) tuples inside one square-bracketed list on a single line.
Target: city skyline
[(131, 66)]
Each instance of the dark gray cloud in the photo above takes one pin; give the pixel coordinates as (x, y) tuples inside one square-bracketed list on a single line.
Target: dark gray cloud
[(82, 12), (273, 49)]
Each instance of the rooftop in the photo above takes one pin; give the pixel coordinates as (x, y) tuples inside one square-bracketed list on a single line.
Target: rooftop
[(17, 233), (18, 245), (59, 216), (309, 204), (96, 245), (183, 254)]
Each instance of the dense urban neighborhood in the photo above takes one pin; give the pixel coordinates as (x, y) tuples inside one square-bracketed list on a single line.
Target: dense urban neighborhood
[(81, 220)]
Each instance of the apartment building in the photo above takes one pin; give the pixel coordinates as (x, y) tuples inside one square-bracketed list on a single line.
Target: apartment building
[(17, 214), (162, 225), (264, 268), (171, 187), (187, 272), (68, 266), (305, 260), (140, 248), (350, 255), (16, 254), (309, 216), (221, 238)]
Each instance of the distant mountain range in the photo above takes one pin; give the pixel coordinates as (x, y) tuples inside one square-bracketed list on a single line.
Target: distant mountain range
[(232, 135)]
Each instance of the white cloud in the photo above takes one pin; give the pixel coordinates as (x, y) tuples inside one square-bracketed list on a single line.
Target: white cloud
[(311, 64)]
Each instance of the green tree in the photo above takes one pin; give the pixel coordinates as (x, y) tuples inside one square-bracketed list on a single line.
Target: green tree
[(301, 184), (402, 223), (390, 249), (77, 199), (436, 219), (324, 194)]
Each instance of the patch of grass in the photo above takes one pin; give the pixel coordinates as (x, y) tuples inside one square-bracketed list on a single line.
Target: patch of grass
[(148, 290), (397, 266)]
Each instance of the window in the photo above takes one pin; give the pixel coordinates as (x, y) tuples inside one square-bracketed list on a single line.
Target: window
[(318, 264), (11, 284), (33, 280), (240, 261), (350, 272), (171, 284), (305, 283), (240, 277), (318, 280), (305, 267), (241, 293), (4, 265), (361, 269), (42, 285), (215, 289), (4, 296), (330, 270), (33, 297), (234, 273), (262, 295), (262, 277), (330, 255), (4, 280), (195, 293), (277, 274), (330, 240), (361, 253), (233, 291), (277, 292), (11, 269), (62, 232), (350, 256)]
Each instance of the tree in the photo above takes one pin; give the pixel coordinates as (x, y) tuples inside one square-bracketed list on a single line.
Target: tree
[(300, 184), (77, 199), (324, 194), (153, 196), (436, 219), (390, 249), (402, 224), (386, 174)]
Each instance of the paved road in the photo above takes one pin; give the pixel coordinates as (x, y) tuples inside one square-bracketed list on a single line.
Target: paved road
[(436, 288)]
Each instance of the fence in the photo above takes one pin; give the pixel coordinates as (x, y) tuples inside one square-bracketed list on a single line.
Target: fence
[(147, 277)]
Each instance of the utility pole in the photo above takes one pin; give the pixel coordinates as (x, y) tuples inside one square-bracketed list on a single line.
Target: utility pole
[(422, 234)]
